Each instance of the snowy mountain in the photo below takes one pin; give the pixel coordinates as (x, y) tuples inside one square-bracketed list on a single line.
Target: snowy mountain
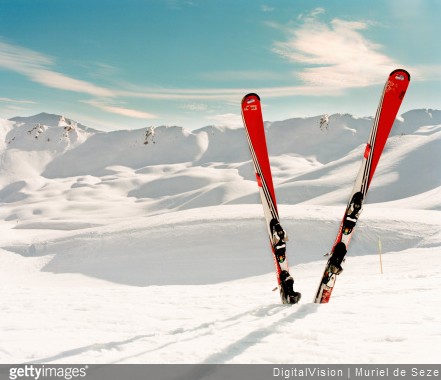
[(125, 228), (173, 168), (47, 119)]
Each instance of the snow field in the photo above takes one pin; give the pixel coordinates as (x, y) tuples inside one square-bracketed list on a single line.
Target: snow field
[(116, 251)]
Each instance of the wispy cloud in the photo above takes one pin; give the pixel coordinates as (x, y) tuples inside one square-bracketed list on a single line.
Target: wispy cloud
[(229, 119), (9, 105), (266, 8), (180, 93), (39, 68), (312, 14), (178, 4), (105, 106), (17, 101), (194, 107), (337, 53), (60, 81), (328, 58), (241, 75), (426, 72)]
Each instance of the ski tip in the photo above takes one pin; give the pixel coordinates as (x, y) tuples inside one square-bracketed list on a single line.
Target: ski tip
[(402, 72), (251, 94)]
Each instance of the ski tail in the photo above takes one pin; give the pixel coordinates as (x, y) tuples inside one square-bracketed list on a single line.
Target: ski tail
[(390, 102)]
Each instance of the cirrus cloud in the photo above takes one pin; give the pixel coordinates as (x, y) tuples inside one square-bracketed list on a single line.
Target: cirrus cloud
[(38, 68), (105, 106), (336, 54)]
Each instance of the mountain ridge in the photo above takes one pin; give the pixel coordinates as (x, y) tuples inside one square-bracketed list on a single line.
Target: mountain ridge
[(170, 168)]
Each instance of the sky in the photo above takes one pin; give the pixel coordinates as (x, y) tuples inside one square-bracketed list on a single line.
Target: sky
[(132, 64)]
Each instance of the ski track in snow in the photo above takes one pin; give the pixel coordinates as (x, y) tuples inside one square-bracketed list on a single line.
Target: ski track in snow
[(69, 318), (158, 253)]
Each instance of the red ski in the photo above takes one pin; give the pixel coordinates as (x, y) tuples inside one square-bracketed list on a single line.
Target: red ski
[(393, 94), (254, 127)]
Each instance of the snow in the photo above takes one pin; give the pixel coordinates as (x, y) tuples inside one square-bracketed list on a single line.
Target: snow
[(114, 250)]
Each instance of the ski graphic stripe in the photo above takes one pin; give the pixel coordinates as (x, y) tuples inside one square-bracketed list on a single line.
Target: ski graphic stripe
[(251, 107), (261, 177), (372, 147), (267, 188), (264, 186)]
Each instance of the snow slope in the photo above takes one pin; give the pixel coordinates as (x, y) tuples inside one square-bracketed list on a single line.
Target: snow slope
[(123, 247)]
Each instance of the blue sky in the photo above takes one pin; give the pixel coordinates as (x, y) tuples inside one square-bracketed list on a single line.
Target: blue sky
[(130, 64)]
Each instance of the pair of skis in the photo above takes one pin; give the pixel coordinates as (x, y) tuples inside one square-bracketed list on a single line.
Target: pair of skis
[(392, 96)]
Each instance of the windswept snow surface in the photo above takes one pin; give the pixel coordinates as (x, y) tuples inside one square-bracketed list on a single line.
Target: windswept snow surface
[(115, 248)]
